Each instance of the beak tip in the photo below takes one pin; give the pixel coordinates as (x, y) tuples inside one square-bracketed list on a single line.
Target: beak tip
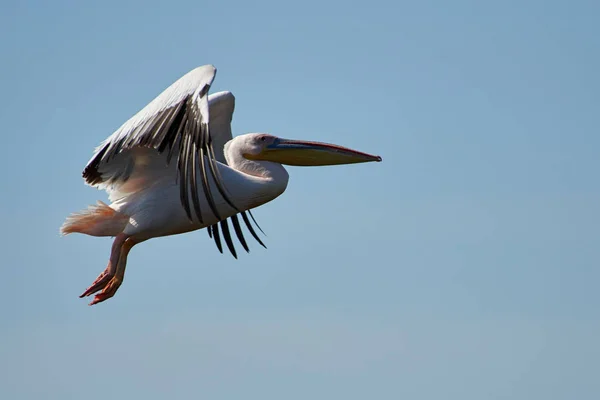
[(379, 159)]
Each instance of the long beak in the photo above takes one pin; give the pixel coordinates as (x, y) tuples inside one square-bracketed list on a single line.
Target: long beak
[(301, 153)]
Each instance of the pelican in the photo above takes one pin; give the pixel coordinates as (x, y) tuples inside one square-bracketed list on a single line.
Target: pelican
[(174, 167)]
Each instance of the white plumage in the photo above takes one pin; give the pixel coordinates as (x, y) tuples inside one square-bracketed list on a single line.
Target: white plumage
[(174, 167)]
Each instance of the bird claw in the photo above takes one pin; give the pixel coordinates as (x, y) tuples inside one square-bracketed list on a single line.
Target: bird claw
[(100, 282), (108, 291), (108, 281)]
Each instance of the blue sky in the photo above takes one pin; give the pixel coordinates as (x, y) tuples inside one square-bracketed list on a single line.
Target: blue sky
[(465, 266)]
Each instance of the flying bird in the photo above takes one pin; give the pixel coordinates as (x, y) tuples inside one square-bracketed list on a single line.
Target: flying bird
[(174, 167)]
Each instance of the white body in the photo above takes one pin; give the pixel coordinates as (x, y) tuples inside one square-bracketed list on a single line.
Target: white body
[(150, 197)]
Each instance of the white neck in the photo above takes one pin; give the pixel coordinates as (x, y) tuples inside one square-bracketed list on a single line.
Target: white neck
[(256, 182)]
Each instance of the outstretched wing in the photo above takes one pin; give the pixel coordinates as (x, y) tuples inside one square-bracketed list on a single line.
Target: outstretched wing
[(222, 105), (176, 122)]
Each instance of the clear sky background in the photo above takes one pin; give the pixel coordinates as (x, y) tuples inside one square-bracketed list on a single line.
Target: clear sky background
[(464, 266)]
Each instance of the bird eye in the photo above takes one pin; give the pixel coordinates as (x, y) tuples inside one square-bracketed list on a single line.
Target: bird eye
[(263, 138)]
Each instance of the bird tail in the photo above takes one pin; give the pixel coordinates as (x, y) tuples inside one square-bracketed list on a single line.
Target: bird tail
[(97, 220)]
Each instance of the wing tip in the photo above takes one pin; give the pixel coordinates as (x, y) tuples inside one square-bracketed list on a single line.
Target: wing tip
[(203, 69), (90, 173)]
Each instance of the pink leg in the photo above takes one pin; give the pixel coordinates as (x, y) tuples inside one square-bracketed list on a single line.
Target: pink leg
[(115, 282), (112, 277)]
